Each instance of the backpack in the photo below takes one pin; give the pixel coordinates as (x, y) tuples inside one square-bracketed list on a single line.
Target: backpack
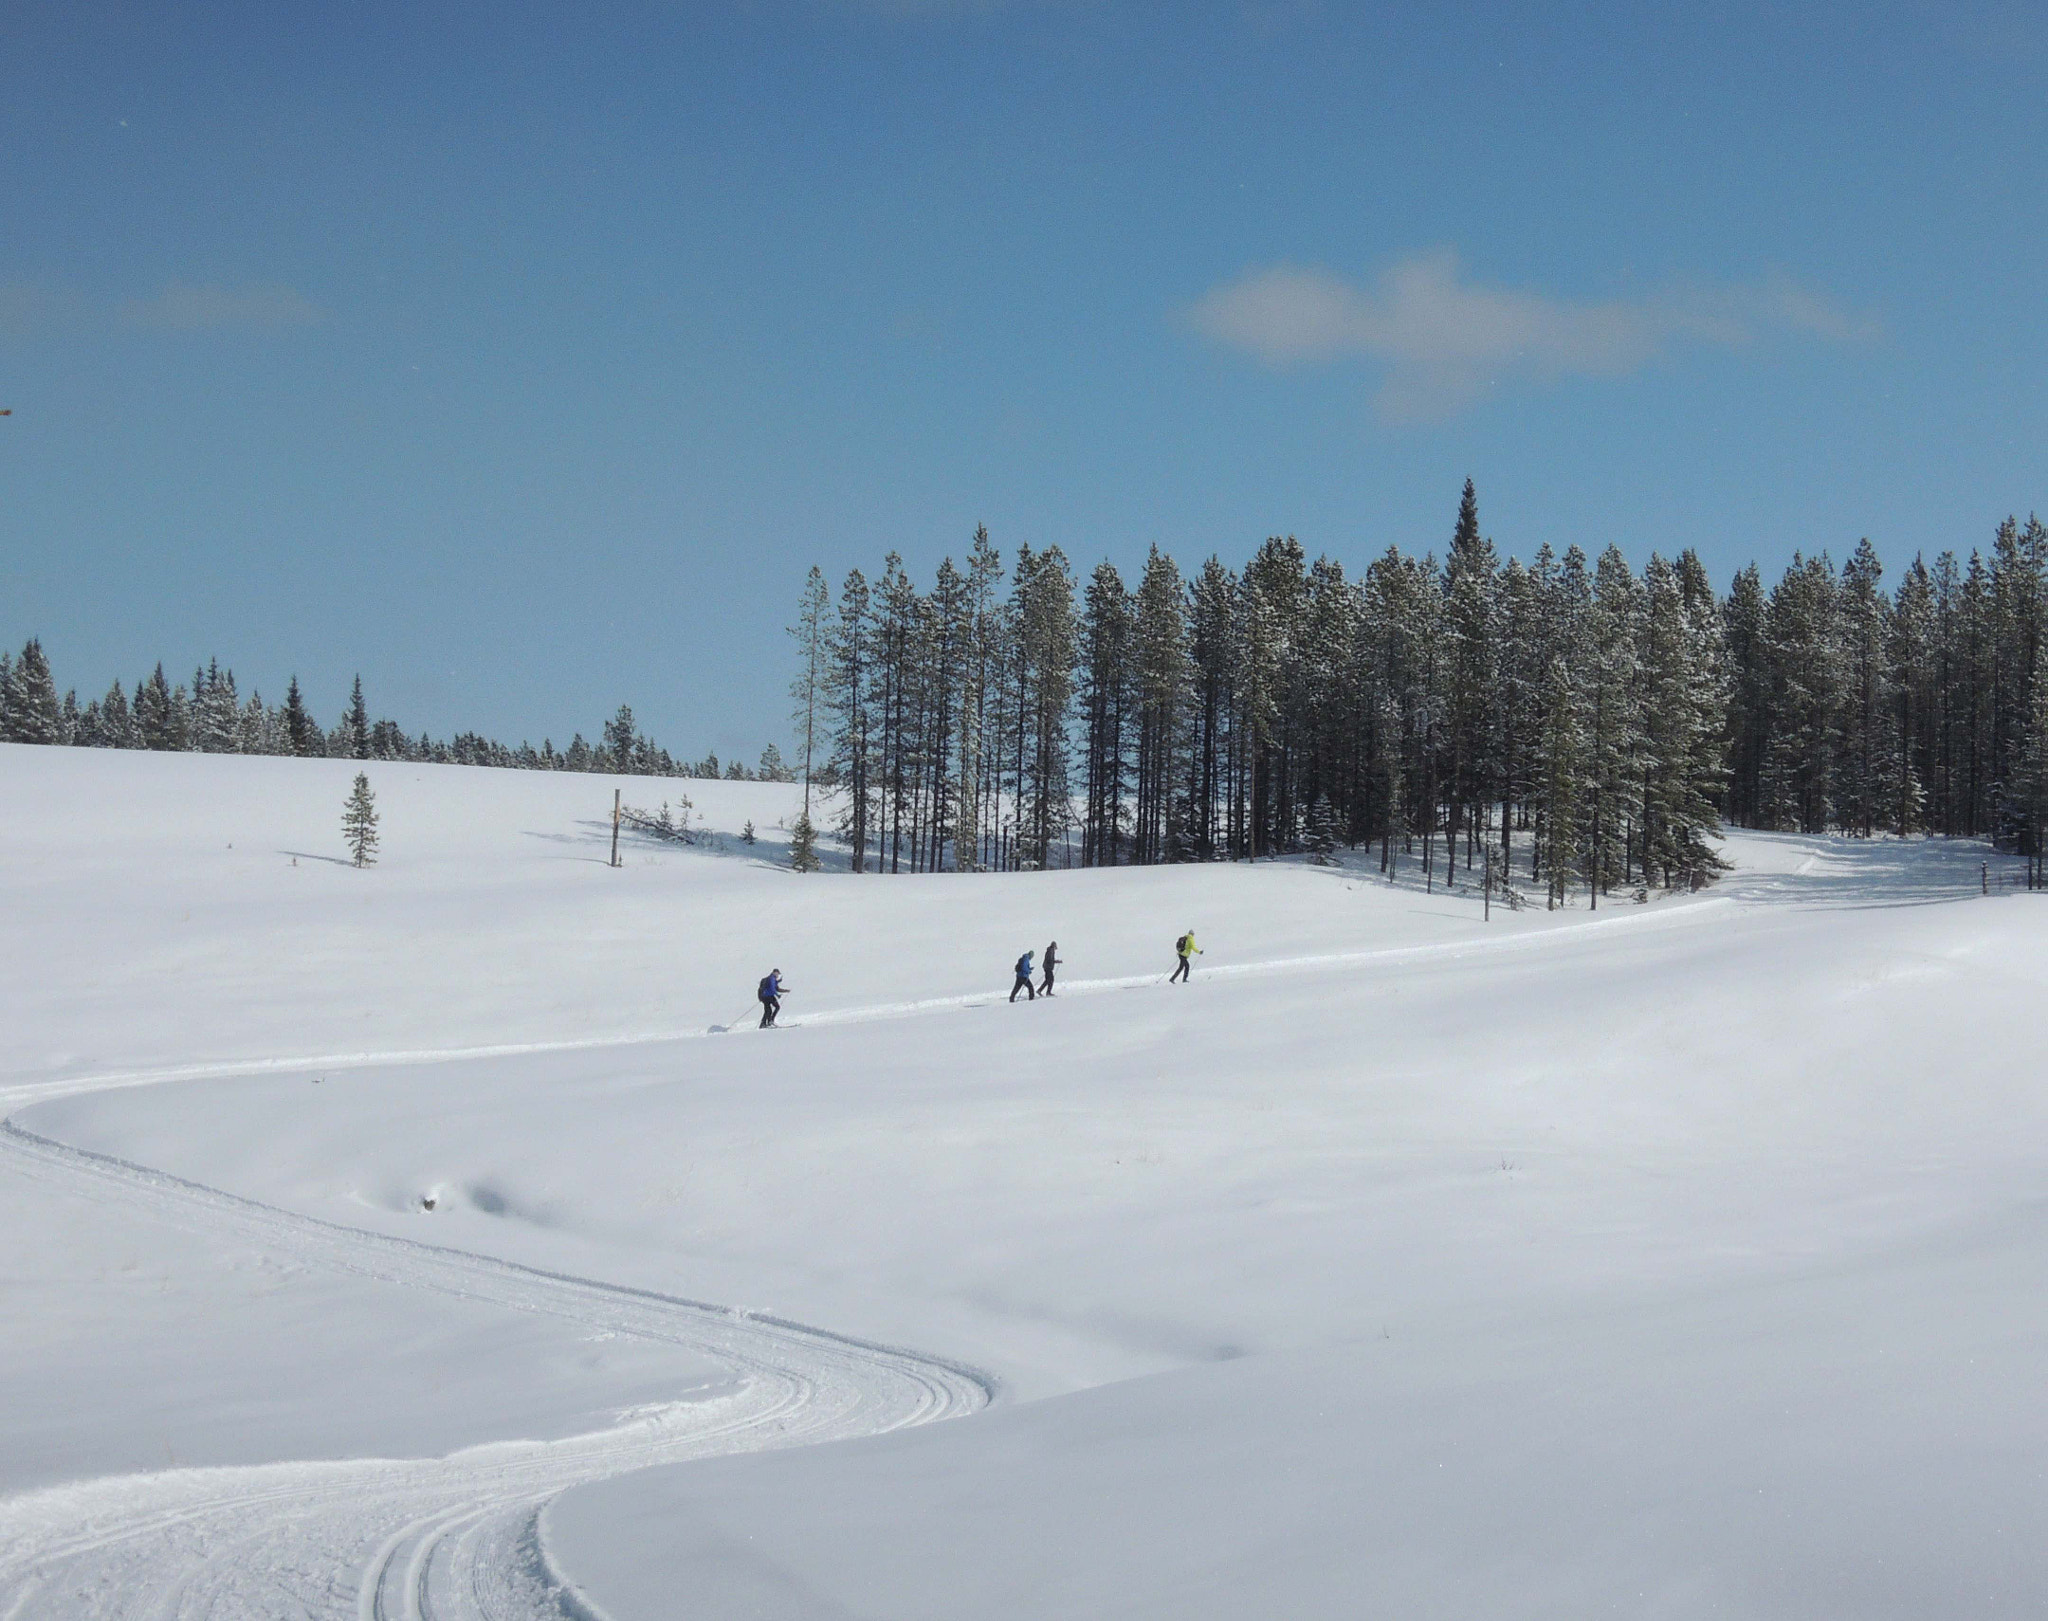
[(1181, 945), (765, 990)]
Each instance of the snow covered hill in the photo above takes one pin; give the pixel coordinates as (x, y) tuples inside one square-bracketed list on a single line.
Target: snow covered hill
[(1681, 1259)]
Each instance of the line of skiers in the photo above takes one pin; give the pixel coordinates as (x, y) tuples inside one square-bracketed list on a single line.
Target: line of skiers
[(770, 990)]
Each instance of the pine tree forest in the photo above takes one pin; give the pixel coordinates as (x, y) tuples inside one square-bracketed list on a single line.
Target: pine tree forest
[(208, 715), (1570, 723)]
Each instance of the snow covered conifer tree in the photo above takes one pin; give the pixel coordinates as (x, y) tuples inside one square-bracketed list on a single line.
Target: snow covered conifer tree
[(1105, 699), (1863, 720), (34, 714), (356, 726), (216, 712), (1801, 767), (154, 712), (1159, 658), (359, 822), (1212, 656), (1682, 706), (301, 735), (803, 845), (807, 691), (117, 725), (1617, 753), (1471, 659), (981, 663), (253, 736), (619, 733), (1047, 636), (848, 698), (1320, 836)]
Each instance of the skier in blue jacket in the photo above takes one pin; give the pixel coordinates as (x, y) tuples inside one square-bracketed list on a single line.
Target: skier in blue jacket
[(770, 993), (1023, 979)]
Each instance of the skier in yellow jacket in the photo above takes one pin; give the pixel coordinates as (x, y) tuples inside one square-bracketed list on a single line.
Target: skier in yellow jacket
[(1188, 951)]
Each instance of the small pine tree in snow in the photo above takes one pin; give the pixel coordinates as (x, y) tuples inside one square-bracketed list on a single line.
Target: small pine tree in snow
[(803, 846), (1321, 838), (747, 832), (359, 823)]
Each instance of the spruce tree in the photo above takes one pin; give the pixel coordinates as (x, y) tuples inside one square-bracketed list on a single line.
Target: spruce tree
[(356, 727), (850, 700), (1471, 654), (1106, 701), (252, 729), (359, 822), (807, 690), (1319, 838), (619, 735), (117, 724), (803, 845), (217, 712), (155, 713), (301, 733), (34, 713)]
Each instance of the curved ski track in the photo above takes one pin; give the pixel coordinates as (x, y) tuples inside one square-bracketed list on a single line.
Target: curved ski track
[(460, 1538), (433, 1539)]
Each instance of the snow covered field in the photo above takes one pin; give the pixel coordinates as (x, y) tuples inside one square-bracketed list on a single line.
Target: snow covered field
[(1673, 1260)]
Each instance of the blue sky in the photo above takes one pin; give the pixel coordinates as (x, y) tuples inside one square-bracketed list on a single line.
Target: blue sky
[(524, 358)]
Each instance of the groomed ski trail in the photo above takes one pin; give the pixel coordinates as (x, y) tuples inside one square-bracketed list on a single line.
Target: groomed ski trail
[(462, 1537), (19, 1094), (437, 1539)]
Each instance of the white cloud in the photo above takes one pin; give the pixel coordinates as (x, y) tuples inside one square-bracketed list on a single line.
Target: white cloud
[(189, 308), (1443, 339)]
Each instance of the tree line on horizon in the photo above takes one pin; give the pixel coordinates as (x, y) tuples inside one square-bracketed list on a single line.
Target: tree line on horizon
[(211, 717), (1569, 719)]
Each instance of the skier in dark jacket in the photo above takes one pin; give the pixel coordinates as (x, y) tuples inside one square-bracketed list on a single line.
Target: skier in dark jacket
[(770, 993), (1023, 979), (1052, 961)]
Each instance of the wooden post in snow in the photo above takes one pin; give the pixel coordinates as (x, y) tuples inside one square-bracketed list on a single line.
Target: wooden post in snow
[(615, 827)]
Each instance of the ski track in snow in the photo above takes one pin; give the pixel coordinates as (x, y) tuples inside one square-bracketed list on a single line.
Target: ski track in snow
[(444, 1539), (433, 1539), (20, 1094)]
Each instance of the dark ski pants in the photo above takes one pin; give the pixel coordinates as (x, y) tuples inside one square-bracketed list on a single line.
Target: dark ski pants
[(1182, 971), (1023, 984), (770, 1006), (1046, 988)]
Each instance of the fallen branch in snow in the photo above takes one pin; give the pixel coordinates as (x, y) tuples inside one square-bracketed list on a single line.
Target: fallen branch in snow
[(663, 824)]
